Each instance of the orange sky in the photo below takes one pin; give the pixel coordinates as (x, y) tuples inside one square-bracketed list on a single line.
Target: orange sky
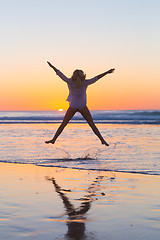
[(41, 89), (114, 40)]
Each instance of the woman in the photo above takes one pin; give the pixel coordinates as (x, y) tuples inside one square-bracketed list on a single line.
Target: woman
[(77, 85)]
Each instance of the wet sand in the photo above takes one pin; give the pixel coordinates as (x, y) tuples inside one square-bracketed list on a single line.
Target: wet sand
[(57, 203)]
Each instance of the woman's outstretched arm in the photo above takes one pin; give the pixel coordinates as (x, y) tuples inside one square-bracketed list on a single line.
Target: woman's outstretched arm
[(59, 73), (107, 72), (54, 68), (93, 80)]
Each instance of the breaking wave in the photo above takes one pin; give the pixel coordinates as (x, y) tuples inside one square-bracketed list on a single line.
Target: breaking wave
[(100, 116)]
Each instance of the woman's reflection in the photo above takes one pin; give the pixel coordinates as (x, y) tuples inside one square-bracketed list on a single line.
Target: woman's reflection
[(76, 216)]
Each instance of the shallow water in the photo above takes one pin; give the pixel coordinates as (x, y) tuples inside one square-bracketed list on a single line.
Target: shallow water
[(133, 148)]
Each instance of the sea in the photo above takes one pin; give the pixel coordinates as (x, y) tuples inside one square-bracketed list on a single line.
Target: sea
[(133, 136)]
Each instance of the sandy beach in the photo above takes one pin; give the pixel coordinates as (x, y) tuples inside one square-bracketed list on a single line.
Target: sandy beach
[(58, 203)]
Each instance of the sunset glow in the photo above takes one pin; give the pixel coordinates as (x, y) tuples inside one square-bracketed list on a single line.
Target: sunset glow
[(123, 35)]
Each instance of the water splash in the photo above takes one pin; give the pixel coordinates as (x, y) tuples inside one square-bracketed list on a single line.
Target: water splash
[(112, 149), (62, 154), (55, 153), (91, 153)]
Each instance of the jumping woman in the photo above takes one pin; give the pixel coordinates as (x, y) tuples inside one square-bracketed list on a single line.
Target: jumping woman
[(77, 85)]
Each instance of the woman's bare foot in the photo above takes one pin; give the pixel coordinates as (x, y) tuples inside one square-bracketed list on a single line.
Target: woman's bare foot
[(105, 143), (50, 141)]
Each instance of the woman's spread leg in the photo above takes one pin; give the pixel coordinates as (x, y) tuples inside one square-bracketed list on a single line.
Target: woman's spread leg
[(88, 117), (69, 114)]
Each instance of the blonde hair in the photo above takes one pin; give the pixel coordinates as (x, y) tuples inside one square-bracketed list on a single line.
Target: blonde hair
[(78, 77)]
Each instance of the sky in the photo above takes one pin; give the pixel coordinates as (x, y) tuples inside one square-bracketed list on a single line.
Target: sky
[(92, 35)]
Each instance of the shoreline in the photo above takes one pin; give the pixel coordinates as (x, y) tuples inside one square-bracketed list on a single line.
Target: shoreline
[(83, 169), (50, 203)]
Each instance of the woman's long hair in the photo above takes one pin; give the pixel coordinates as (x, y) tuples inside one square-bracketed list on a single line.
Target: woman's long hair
[(78, 77)]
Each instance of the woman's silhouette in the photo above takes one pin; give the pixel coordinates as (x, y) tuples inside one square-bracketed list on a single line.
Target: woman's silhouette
[(77, 85)]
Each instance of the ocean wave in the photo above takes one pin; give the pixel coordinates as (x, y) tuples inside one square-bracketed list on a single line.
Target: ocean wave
[(104, 117)]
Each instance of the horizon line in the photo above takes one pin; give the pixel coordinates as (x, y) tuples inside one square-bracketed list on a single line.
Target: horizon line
[(146, 109)]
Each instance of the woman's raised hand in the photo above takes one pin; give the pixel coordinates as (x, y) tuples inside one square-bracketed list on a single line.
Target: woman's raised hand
[(54, 68), (111, 70), (50, 64)]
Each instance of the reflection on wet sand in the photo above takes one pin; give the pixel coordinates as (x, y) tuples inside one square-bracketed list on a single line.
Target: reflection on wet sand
[(76, 216)]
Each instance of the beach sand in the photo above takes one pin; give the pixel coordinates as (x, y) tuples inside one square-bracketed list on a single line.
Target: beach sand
[(57, 203)]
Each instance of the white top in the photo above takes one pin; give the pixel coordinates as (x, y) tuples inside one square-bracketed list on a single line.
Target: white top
[(77, 96)]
